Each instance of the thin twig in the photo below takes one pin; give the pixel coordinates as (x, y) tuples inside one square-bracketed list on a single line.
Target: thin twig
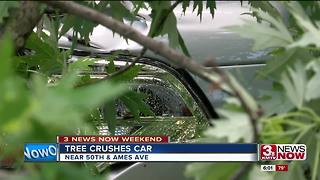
[(121, 71)]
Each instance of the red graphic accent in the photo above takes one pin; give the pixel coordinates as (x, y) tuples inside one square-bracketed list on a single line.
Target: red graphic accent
[(268, 152), (282, 167), (113, 139)]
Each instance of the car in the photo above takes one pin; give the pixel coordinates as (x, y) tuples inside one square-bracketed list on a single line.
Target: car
[(183, 104)]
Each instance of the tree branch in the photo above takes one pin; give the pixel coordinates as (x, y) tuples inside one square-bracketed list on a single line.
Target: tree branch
[(121, 71), (130, 33), (22, 22), (144, 49), (160, 48)]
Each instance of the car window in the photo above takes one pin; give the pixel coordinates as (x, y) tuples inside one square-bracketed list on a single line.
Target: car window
[(176, 112)]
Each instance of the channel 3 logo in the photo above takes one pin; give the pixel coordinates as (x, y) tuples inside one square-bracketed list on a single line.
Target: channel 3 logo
[(283, 152), (268, 152), (40, 152)]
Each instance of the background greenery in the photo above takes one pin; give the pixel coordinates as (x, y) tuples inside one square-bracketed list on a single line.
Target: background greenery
[(35, 106)]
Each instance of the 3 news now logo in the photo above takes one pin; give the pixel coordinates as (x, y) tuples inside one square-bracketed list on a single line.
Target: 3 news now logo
[(40, 152), (283, 152)]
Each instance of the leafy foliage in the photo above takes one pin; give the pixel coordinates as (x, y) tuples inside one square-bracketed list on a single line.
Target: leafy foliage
[(313, 83), (265, 6), (41, 105), (63, 171), (293, 68), (294, 84), (280, 59), (264, 35), (134, 101), (43, 95), (36, 104), (81, 27), (207, 171), (311, 30), (239, 131), (4, 8), (45, 54), (169, 27)]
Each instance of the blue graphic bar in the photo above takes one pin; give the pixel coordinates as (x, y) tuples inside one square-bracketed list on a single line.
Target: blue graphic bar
[(40, 152), (158, 148)]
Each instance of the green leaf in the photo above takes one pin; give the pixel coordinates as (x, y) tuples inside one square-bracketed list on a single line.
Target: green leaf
[(35, 43), (137, 6), (199, 5), (80, 26), (212, 6), (84, 28), (14, 99), (274, 131), (313, 85), (251, 103), (51, 103), (141, 106), (68, 81), (211, 171), (6, 53), (295, 172), (128, 75), (62, 171), (295, 82), (161, 26), (169, 26), (275, 102), (183, 45), (313, 143), (185, 5), (131, 105), (133, 100), (4, 8), (265, 6), (315, 166), (82, 64), (67, 24), (73, 103), (234, 125), (52, 25), (311, 34), (111, 68), (119, 11), (280, 60), (45, 54), (109, 116), (264, 35), (90, 96)]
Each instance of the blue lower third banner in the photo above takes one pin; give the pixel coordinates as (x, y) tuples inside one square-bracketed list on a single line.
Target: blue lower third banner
[(158, 148), (158, 152), (159, 157), (141, 152), (40, 152)]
